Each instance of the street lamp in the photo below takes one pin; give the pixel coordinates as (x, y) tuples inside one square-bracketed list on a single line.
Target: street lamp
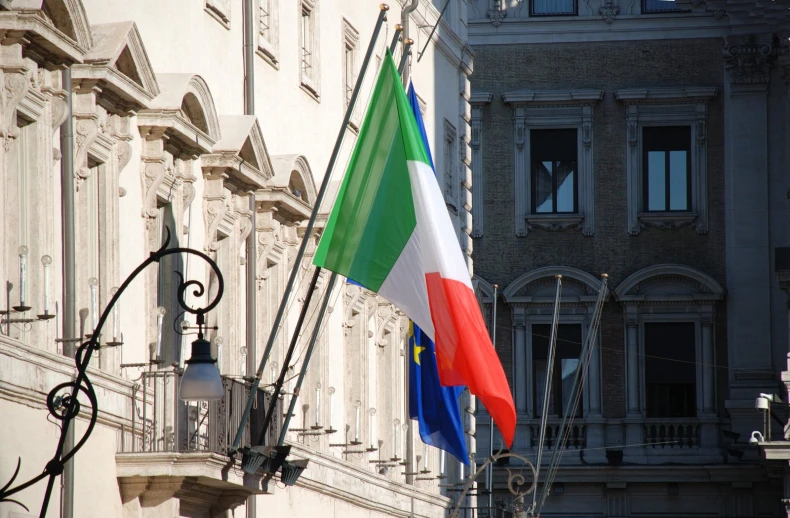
[(201, 380)]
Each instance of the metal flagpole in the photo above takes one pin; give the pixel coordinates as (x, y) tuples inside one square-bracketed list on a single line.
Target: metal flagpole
[(544, 416), (578, 379), (308, 354), (286, 362), (308, 232), (395, 37), (490, 474)]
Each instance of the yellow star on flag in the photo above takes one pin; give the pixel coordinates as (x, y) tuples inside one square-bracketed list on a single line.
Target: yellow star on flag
[(417, 351)]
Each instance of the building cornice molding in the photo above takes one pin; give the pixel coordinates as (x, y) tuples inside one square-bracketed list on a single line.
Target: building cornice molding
[(311, 480), (585, 29)]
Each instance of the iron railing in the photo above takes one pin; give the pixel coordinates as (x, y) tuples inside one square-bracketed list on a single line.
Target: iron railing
[(161, 422)]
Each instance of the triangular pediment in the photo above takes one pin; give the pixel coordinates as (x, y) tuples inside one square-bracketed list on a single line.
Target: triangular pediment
[(120, 47), (248, 154), (241, 151), (126, 66)]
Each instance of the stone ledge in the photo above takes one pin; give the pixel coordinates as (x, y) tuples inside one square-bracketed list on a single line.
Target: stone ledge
[(196, 480)]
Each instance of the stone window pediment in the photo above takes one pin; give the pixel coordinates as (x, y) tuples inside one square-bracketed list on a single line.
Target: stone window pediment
[(669, 284), (184, 109), (240, 154), (554, 109), (658, 107), (119, 61), (291, 191)]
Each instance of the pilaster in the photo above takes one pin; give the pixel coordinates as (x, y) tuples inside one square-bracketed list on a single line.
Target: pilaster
[(478, 102), (748, 61)]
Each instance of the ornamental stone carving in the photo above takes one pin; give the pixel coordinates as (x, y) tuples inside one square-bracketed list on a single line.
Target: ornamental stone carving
[(748, 60), (609, 11), (497, 13), (15, 85), (213, 211)]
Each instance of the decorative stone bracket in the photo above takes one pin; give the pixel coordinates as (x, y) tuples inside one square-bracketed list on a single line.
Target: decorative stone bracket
[(14, 86)]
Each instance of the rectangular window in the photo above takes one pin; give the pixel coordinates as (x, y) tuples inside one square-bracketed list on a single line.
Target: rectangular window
[(350, 40), (552, 7), (566, 361), (449, 163), (348, 76), (307, 43), (661, 6), (554, 171), (264, 20), (666, 167), (670, 369)]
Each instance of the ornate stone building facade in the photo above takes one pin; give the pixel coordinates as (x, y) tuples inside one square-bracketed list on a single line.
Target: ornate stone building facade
[(162, 147), (647, 140)]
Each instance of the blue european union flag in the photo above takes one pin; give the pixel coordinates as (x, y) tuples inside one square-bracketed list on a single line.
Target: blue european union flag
[(433, 406)]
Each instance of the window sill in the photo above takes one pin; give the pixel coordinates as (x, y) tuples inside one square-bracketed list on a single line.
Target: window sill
[(554, 222), (266, 52), (667, 220), (219, 16), (312, 91)]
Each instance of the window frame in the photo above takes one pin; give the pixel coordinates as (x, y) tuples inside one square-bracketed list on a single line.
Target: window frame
[(667, 190), (268, 48), (450, 166), (667, 106), (350, 45), (533, 14), (554, 109), (309, 82), (534, 181)]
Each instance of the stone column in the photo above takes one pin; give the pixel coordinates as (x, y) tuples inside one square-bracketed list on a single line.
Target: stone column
[(748, 61), (594, 381), (634, 430), (708, 369), (520, 363), (521, 378), (632, 365)]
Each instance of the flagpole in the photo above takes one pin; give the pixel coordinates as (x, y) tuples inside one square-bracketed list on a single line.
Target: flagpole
[(308, 354), (544, 416), (490, 474), (406, 51), (395, 37), (578, 379), (308, 232), (278, 385)]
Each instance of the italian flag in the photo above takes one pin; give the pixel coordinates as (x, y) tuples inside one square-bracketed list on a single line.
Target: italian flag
[(389, 230)]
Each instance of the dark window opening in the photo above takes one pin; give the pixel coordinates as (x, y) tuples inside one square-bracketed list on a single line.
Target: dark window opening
[(566, 361), (670, 370)]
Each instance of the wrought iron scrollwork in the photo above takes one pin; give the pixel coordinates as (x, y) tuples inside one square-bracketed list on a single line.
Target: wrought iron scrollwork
[(62, 401), (516, 481)]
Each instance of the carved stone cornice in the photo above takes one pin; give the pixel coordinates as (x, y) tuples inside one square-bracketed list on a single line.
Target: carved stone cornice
[(748, 60)]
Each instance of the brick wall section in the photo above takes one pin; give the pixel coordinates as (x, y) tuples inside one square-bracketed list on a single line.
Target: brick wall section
[(501, 257)]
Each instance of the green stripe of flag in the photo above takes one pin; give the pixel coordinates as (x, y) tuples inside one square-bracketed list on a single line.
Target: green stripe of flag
[(373, 216)]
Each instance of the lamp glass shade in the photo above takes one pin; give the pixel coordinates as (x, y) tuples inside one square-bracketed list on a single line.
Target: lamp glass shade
[(201, 382)]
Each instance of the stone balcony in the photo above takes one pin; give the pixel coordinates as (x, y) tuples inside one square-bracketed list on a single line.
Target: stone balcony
[(174, 458)]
